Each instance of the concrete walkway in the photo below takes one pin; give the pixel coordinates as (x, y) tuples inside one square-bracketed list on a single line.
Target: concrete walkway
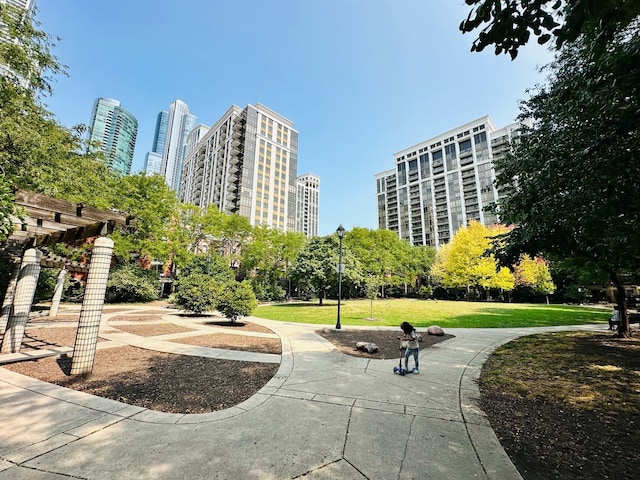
[(324, 415)]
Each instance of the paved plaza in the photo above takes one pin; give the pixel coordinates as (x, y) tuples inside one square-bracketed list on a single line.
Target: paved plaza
[(324, 415)]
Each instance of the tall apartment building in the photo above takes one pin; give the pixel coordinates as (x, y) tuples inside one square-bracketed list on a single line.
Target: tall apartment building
[(22, 7), (27, 5), (113, 131), (439, 185), (153, 159), (246, 164), (308, 204), (179, 123)]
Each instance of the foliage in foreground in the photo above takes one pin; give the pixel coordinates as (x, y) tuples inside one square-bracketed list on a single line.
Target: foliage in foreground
[(510, 24), (572, 183)]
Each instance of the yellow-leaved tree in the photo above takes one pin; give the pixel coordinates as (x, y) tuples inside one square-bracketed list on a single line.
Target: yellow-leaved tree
[(534, 273), (466, 262)]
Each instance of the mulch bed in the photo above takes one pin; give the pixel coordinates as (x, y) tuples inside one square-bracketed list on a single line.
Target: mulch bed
[(387, 341), (234, 342), (548, 440), (153, 329)]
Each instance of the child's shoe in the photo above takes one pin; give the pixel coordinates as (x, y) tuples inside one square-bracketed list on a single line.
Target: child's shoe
[(415, 370)]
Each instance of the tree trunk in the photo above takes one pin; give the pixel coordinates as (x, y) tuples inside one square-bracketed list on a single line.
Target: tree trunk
[(624, 331)]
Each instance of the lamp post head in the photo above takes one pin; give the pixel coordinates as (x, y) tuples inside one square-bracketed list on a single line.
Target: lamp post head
[(340, 231)]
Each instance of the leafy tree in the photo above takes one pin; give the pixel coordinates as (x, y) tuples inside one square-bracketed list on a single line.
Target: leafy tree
[(466, 261), (7, 208), (211, 264), (575, 280), (269, 256), (197, 293), (417, 263), (508, 24), (533, 274), (234, 233), (236, 300), (316, 267), (46, 284), (36, 153), (371, 289), (152, 204), (129, 283), (572, 182), (383, 255)]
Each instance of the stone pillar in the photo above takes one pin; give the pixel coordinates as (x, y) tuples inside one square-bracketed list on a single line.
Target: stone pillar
[(25, 290), (7, 304), (57, 294), (84, 350)]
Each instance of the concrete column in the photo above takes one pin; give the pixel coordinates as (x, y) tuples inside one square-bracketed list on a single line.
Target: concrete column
[(7, 304), (57, 294), (84, 350), (25, 290)]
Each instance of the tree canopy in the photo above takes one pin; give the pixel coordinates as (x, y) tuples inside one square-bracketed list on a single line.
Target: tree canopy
[(572, 181), (36, 152), (509, 24), (467, 262)]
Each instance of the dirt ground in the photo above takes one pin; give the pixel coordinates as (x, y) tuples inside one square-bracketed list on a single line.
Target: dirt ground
[(178, 383)]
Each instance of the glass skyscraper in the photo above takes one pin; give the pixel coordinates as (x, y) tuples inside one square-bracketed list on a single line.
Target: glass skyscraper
[(153, 160), (113, 131), (179, 123)]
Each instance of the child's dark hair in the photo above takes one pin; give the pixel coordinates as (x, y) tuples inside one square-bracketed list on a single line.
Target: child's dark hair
[(407, 328)]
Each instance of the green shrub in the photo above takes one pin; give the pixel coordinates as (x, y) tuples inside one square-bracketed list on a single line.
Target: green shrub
[(236, 300), (425, 292), (46, 284), (129, 283), (266, 291), (196, 293)]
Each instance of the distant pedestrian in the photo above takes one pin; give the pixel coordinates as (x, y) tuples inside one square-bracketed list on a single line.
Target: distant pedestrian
[(614, 319), (413, 347)]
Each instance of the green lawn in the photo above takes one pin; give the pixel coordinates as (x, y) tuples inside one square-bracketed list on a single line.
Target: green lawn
[(422, 313)]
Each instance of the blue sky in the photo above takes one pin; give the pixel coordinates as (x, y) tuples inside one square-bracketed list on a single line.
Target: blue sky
[(360, 79)]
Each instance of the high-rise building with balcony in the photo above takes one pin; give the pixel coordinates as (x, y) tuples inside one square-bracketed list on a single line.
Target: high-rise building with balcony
[(179, 123), (113, 131), (246, 164), (441, 184), (308, 204), (27, 5), (23, 9)]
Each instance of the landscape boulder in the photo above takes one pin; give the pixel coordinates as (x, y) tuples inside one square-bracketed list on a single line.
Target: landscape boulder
[(368, 347), (435, 330)]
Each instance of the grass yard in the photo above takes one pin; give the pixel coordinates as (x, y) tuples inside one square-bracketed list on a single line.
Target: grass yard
[(422, 313), (587, 370), (565, 405)]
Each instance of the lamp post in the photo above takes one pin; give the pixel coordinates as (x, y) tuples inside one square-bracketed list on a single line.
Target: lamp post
[(340, 231)]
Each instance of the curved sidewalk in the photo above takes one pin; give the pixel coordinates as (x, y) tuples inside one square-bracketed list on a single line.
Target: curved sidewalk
[(324, 415)]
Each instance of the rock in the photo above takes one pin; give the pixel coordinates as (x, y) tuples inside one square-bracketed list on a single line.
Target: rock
[(435, 330), (368, 347)]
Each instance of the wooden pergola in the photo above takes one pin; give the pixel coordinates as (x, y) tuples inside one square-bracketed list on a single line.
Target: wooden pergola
[(41, 222), (49, 220)]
